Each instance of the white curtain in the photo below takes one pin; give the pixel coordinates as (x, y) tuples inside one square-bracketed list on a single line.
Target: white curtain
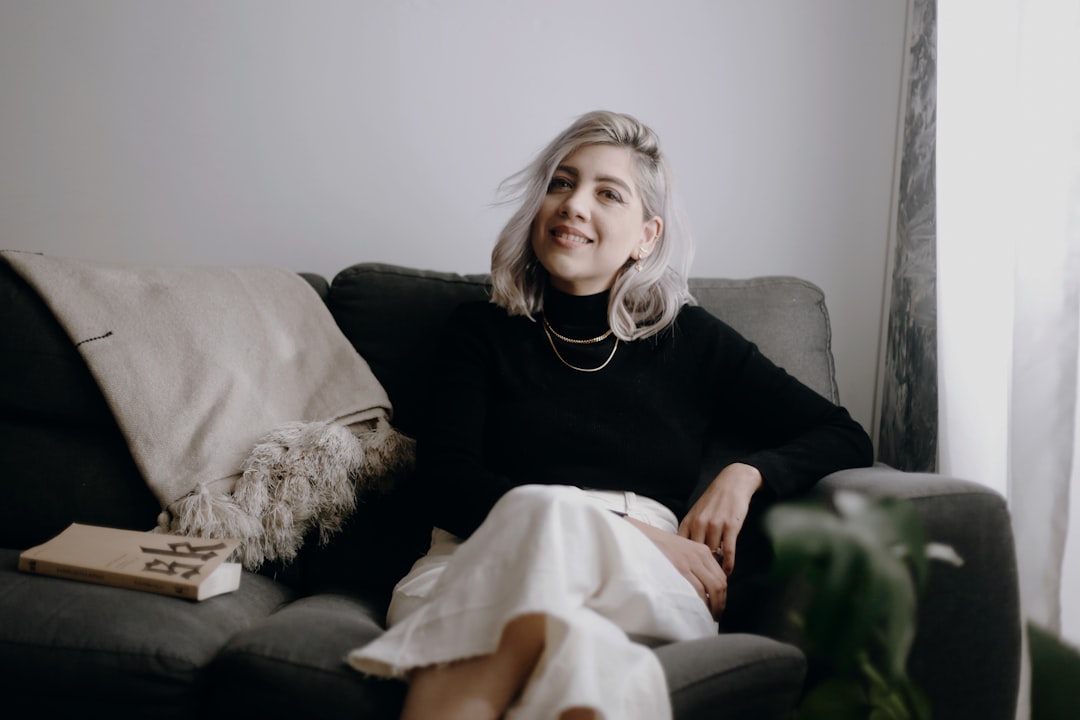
[(1008, 203)]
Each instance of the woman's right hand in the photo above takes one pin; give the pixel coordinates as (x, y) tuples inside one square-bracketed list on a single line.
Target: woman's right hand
[(696, 563)]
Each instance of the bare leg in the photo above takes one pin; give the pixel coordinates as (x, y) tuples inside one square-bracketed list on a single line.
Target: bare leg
[(478, 688)]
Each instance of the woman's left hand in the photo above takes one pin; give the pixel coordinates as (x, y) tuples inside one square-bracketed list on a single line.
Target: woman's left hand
[(718, 515)]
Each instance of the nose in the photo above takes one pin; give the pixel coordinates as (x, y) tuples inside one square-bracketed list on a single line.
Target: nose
[(574, 206)]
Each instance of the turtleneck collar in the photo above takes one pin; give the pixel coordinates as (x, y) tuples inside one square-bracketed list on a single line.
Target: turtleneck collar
[(577, 315)]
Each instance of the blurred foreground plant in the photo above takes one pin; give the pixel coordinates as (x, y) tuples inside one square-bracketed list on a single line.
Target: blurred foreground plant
[(865, 565)]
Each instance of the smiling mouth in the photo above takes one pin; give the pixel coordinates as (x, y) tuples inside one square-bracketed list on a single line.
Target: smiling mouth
[(570, 238)]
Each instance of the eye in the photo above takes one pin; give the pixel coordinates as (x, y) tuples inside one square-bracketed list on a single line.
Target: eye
[(611, 195), (558, 183)]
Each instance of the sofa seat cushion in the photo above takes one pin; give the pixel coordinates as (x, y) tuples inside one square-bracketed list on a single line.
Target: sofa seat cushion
[(74, 645), (733, 675), (292, 664)]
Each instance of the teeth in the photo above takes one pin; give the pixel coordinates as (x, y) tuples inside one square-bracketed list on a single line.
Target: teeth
[(573, 238)]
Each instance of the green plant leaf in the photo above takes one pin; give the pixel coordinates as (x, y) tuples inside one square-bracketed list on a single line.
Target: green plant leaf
[(915, 699), (866, 563), (945, 553), (893, 523), (835, 699), (862, 589)]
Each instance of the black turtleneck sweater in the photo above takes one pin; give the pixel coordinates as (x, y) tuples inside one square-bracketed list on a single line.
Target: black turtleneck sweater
[(505, 411)]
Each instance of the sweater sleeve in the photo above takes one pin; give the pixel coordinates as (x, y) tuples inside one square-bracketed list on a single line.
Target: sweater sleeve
[(794, 435), (457, 489)]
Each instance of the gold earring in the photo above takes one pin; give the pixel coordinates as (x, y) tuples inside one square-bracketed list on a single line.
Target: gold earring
[(641, 256)]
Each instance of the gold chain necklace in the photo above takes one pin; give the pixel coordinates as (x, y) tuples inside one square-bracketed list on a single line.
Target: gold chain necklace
[(572, 341), (548, 331)]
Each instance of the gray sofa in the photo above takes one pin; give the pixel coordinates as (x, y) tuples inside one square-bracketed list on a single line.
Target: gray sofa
[(275, 647)]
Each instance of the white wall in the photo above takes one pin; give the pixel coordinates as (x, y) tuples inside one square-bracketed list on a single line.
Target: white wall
[(314, 134)]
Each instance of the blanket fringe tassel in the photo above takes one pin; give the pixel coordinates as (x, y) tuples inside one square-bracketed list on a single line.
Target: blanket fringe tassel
[(299, 477)]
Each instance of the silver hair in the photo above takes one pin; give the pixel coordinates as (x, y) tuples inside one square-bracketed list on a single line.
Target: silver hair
[(642, 303)]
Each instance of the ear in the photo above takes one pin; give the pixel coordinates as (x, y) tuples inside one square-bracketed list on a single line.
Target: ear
[(650, 234)]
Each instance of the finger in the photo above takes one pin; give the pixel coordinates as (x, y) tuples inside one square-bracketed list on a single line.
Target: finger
[(698, 585), (716, 594), (714, 582), (719, 602), (727, 549), (714, 538), (695, 529), (715, 600)]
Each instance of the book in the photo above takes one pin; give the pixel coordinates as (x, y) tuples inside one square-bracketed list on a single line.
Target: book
[(176, 565)]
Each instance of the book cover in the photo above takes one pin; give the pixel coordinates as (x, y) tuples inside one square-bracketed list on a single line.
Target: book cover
[(186, 567)]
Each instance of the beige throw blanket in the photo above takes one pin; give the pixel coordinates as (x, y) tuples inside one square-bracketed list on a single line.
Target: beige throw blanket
[(247, 411)]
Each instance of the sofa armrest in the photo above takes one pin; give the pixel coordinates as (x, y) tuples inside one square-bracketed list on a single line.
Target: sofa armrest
[(967, 649), (318, 283)]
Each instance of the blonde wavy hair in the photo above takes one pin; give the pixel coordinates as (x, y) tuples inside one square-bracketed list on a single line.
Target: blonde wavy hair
[(642, 303)]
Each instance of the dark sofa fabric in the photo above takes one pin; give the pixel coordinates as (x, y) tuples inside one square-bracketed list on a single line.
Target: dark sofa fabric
[(975, 523), (63, 454), (398, 341), (275, 648), (69, 644), (292, 664)]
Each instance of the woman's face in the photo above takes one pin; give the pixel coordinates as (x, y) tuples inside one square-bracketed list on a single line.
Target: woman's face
[(591, 220)]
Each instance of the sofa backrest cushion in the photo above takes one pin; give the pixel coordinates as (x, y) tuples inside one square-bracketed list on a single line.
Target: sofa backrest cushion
[(785, 316), (64, 459), (392, 315)]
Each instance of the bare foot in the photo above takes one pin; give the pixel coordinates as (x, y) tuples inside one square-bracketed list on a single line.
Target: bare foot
[(479, 688)]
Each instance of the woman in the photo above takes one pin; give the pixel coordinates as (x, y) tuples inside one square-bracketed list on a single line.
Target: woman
[(564, 440)]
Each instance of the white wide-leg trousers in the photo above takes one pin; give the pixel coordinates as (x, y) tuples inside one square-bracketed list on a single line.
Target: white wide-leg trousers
[(556, 550)]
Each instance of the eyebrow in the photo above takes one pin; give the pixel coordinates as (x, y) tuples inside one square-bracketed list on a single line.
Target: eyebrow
[(573, 171)]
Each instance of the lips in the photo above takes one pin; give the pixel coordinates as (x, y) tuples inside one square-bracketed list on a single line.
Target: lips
[(568, 236)]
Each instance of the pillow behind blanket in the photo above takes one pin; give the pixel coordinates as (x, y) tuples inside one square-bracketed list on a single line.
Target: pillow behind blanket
[(246, 410)]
